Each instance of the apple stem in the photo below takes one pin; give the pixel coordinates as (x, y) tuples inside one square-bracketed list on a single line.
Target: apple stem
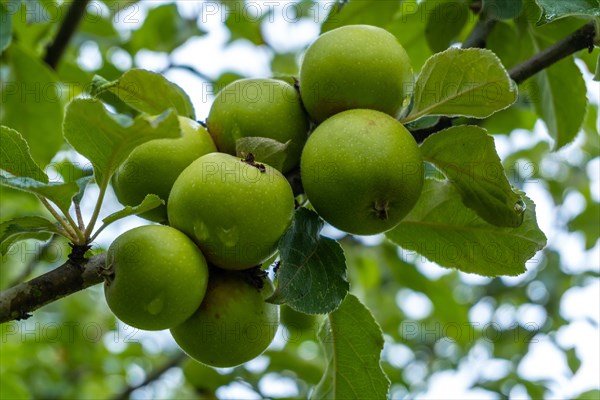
[(250, 160), (381, 209)]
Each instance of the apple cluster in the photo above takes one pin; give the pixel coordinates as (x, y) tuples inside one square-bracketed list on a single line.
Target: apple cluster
[(225, 213)]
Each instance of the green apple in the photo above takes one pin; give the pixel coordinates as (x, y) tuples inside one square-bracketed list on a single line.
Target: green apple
[(355, 66), (204, 379), (235, 210), (153, 167), (362, 171), (159, 277), (233, 325), (297, 321), (259, 108)]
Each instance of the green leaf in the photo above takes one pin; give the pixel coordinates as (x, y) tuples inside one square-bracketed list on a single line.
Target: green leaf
[(164, 30), (440, 291), (502, 9), (98, 27), (31, 23), (12, 386), (203, 378), (444, 23), (505, 41), (309, 371), (71, 171), (146, 91), (422, 123), (591, 128), (15, 157), (442, 229), (241, 25), (24, 228), (467, 156), (593, 394), (284, 64), (108, 139), (81, 175), (555, 9), (5, 28), (560, 97), (557, 30), (370, 12), (312, 276), (151, 201), (506, 121), (303, 9), (225, 79), (352, 341), (572, 360), (31, 103), (597, 74), (82, 184), (99, 88), (59, 193), (409, 29), (462, 82), (266, 150)]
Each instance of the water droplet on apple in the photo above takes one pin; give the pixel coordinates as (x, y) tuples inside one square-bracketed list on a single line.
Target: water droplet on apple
[(156, 306), (229, 237), (520, 207), (201, 231)]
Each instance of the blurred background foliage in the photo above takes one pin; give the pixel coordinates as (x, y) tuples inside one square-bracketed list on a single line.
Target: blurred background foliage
[(448, 334)]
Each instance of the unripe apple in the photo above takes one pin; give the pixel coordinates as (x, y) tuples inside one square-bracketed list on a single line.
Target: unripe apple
[(204, 379), (235, 210), (355, 66), (362, 171), (297, 321), (233, 325), (259, 108), (159, 277), (153, 167)]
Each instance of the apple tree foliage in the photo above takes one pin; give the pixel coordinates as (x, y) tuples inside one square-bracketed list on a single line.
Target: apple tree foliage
[(362, 318)]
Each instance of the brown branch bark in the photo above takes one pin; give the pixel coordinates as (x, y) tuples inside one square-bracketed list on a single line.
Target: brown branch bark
[(56, 49), (479, 34), (582, 38), (18, 301), (188, 68)]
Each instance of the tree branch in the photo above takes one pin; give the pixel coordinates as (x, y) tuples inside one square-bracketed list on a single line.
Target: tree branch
[(153, 376), (188, 68), (582, 38), (57, 48), (17, 302), (479, 34)]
